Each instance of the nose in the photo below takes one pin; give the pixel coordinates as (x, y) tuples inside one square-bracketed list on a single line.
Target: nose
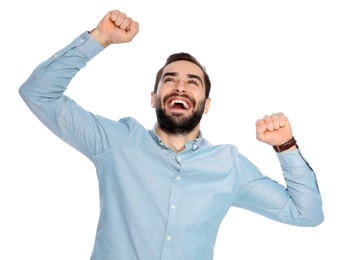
[(180, 86)]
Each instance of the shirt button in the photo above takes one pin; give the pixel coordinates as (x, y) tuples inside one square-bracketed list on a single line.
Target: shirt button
[(169, 238), (82, 40), (178, 177), (173, 206)]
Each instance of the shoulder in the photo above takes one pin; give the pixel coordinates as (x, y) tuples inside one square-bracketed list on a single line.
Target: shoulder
[(230, 149), (222, 153)]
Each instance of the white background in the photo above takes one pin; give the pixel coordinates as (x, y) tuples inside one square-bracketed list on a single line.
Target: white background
[(262, 57)]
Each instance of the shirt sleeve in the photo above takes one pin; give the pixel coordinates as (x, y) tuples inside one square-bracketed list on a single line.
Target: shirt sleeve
[(297, 203), (43, 92)]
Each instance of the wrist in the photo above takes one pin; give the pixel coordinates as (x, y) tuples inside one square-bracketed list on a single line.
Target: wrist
[(99, 36), (289, 145)]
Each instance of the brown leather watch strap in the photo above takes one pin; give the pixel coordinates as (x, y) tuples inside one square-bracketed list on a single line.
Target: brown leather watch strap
[(285, 146)]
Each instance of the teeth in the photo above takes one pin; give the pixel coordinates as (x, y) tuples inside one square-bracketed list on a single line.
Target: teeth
[(185, 105)]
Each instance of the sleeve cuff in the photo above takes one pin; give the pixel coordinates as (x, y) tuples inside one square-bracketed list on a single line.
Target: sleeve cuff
[(292, 159), (88, 45)]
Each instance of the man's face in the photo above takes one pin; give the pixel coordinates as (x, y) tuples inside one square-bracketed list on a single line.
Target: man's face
[(180, 98)]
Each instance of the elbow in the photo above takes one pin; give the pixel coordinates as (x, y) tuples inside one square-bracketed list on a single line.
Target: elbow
[(318, 221), (23, 92), (29, 93), (29, 97)]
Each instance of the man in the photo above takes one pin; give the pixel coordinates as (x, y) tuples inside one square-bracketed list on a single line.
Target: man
[(165, 191)]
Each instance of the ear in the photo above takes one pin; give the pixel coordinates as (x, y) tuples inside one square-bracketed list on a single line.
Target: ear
[(207, 105), (153, 99)]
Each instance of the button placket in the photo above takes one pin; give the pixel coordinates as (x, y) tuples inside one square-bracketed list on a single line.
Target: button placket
[(172, 215)]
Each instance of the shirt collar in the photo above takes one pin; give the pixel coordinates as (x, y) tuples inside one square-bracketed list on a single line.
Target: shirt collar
[(190, 145)]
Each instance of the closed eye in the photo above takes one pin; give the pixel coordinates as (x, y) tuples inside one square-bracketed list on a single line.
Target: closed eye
[(169, 79), (194, 82)]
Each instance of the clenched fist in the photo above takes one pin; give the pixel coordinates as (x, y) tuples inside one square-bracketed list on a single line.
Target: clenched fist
[(115, 27), (273, 129)]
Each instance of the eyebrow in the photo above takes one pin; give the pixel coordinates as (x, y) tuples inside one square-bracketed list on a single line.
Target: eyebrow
[(190, 76)]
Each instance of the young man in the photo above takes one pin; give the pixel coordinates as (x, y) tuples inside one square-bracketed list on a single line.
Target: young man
[(165, 191)]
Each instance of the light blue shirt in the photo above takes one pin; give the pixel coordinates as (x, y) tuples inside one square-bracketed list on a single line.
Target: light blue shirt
[(155, 203)]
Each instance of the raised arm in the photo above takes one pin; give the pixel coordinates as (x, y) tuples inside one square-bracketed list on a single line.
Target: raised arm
[(298, 202), (115, 27), (44, 90)]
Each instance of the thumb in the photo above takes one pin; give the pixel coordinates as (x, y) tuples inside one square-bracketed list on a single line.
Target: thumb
[(261, 128)]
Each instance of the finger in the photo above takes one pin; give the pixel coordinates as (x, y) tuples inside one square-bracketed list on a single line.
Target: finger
[(133, 28), (125, 24), (117, 17), (261, 126), (269, 122), (114, 15), (275, 121), (282, 119), (120, 19)]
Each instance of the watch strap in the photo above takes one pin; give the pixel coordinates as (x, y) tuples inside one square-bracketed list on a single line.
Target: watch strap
[(285, 146)]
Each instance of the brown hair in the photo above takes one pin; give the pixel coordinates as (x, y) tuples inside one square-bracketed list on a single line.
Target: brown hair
[(187, 57)]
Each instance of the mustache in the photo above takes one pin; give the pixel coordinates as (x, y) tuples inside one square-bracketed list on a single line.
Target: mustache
[(192, 100)]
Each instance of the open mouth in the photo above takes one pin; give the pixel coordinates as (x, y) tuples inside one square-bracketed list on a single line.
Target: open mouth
[(179, 103)]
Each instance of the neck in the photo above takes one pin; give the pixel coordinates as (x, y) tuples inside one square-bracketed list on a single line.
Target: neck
[(177, 142)]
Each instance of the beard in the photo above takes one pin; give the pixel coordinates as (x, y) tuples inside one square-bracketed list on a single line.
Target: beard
[(176, 123)]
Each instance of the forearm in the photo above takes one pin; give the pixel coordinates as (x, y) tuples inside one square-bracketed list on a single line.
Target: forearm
[(297, 203), (302, 185), (50, 79), (43, 91)]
